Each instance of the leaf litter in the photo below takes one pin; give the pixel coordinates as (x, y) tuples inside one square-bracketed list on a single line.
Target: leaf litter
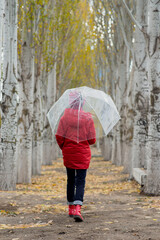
[(102, 178)]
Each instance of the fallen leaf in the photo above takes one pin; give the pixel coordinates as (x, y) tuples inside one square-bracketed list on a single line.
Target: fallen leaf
[(50, 222)]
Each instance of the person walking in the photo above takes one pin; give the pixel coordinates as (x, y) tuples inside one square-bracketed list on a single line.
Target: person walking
[(78, 126)]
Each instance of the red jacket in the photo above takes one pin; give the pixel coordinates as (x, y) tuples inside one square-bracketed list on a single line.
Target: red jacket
[(76, 155)]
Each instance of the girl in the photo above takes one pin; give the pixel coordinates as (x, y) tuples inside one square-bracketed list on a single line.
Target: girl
[(75, 127)]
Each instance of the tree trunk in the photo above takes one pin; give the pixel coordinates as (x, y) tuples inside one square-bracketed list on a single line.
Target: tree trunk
[(1, 44), (49, 145), (9, 99), (25, 115), (140, 90), (127, 121), (120, 88), (37, 126), (152, 185), (126, 126), (106, 148)]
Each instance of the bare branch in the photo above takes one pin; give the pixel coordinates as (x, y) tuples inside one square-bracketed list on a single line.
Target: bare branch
[(122, 29), (140, 27)]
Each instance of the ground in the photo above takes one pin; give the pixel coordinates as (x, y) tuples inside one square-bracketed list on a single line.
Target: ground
[(114, 208)]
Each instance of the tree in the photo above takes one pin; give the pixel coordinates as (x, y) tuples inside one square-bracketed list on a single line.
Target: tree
[(41, 18), (117, 33), (140, 89), (25, 92), (1, 44), (153, 142), (9, 97)]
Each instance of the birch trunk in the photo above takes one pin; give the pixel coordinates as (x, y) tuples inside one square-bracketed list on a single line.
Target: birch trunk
[(114, 140), (106, 145), (49, 145), (37, 108), (152, 185), (128, 116), (37, 123), (140, 90), (1, 44), (9, 99), (112, 93), (126, 91), (119, 99), (114, 131), (123, 111), (25, 115), (106, 148)]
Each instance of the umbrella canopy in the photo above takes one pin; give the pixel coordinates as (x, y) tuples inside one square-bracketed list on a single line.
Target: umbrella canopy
[(72, 116)]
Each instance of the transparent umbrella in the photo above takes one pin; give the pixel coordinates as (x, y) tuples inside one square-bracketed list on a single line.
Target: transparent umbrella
[(81, 111)]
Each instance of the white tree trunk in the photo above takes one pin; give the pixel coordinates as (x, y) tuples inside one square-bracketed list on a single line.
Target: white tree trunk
[(1, 44), (140, 90), (128, 115), (9, 98), (126, 112), (37, 127), (49, 145), (113, 142), (106, 148), (120, 88), (153, 145), (123, 112), (25, 115)]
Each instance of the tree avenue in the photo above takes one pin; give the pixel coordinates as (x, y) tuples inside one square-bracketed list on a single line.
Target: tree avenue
[(48, 46)]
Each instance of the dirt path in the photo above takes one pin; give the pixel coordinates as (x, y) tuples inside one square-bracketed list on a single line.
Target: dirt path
[(113, 209)]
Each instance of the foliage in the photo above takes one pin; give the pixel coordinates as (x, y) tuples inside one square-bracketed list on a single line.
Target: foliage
[(61, 32)]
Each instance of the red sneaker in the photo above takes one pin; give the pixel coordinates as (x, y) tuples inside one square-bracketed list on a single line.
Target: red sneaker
[(77, 215), (71, 210)]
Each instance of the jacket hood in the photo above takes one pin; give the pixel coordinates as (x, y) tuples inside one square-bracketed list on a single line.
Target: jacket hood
[(76, 117), (76, 125)]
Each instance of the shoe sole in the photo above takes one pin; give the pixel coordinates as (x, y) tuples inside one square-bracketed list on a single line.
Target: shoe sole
[(78, 218)]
